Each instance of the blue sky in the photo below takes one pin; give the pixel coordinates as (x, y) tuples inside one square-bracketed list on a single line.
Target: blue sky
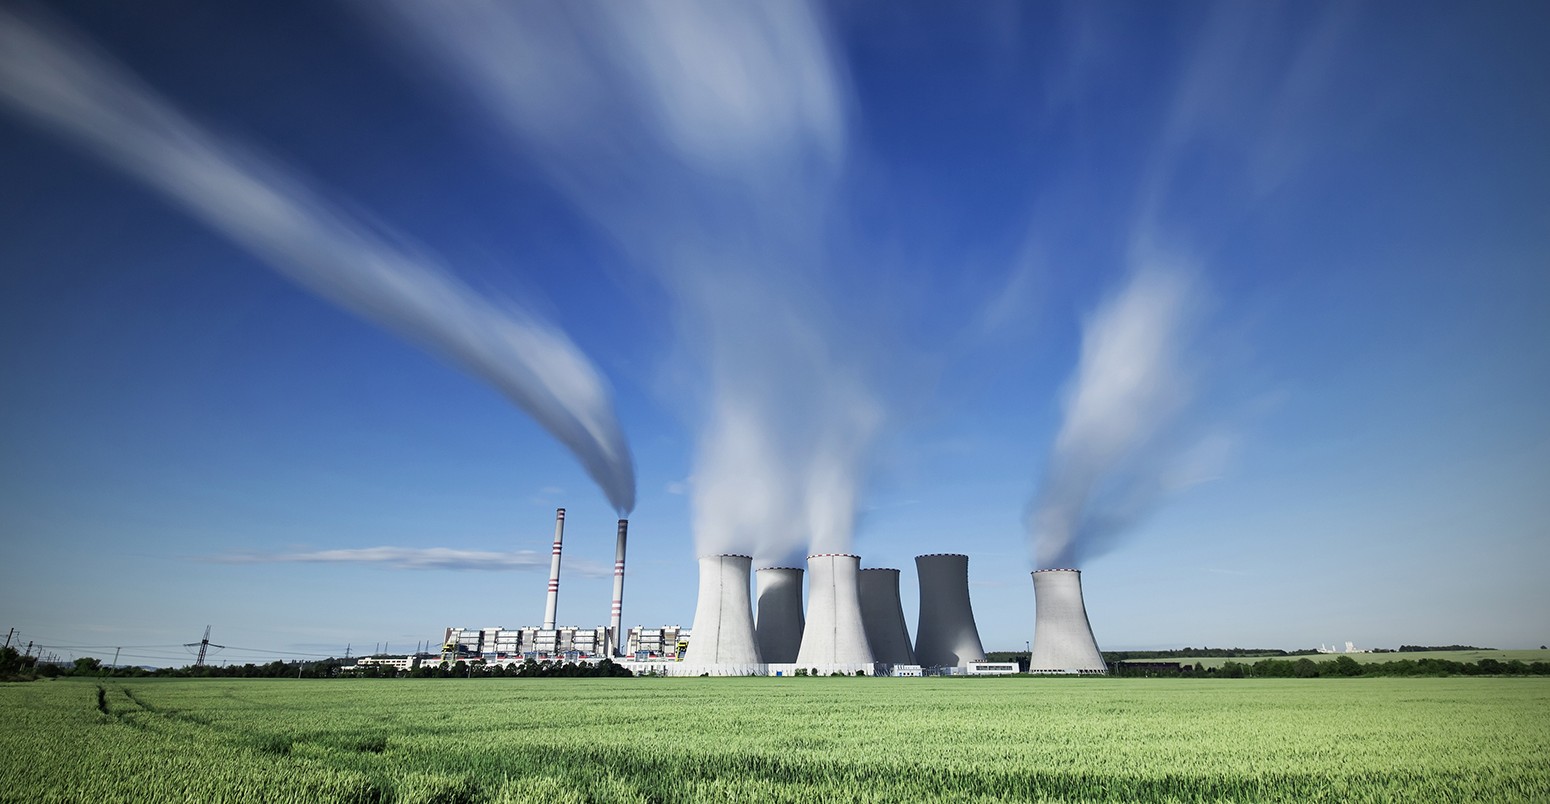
[(1249, 304)]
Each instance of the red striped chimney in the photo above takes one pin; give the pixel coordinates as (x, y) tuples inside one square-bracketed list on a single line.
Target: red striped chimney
[(554, 569), (616, 618)]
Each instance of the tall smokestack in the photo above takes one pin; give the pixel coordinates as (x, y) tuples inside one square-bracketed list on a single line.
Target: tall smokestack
[(554, 569), (946, 635), (616, 618), (1062, 638), (723, 639), (779, 624), (883, 616), (833, 634)]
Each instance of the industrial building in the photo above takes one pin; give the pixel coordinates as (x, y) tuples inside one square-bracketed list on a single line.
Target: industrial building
[(497, 645)]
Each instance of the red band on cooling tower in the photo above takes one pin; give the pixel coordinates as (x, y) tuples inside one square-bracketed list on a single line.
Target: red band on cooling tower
[(878, 569), (761, 569), (833, 555), (728, 555), (1057, 569), (939, 555)]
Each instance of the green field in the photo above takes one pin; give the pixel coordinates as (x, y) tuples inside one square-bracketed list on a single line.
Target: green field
[(817, 740), (1472, 656)]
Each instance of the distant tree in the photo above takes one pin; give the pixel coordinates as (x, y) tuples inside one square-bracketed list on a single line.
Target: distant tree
[(1344, 666), (87, 666), (12, 661)]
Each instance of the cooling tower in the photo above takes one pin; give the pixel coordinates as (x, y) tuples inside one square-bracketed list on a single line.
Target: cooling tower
[(778, 591), (616, 618), (946, 635), (553, 600), (883, 617), (1062, 638), (834, 634), (723, 640)]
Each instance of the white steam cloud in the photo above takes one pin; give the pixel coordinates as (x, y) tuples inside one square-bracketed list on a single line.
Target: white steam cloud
[(704, 139), (1120, 448), (412, 558), (63, 85)]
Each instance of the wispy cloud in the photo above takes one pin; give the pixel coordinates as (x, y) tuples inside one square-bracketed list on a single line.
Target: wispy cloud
[(66, 87), (413, 558)]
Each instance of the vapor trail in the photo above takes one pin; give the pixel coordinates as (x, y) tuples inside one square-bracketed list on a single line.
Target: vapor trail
[(409, 558), (1115, 454), (270, 211)]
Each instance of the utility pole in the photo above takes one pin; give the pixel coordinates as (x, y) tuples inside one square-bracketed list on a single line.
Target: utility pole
[(8, 637), (115, 656), (347, 650)]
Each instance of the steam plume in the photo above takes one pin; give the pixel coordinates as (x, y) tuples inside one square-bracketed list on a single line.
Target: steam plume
[(1117, 450), (65, 87), (704, 139)]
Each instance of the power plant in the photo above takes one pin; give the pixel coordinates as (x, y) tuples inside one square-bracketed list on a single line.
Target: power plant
[(946, 635), (778, 593), (852, 623), (1062, 638)]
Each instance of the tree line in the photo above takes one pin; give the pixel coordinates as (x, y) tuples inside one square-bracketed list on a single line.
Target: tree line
[(14, 666), (1342, 667)]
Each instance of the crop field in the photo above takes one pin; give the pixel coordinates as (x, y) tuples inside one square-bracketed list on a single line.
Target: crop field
[(792, 739)]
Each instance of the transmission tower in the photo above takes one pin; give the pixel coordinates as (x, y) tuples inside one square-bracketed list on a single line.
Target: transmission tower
[(203, 645)]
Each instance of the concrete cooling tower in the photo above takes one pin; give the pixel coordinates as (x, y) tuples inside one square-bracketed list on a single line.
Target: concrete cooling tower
[(778, 591), (1062, 638), (883, 617), (722, 642), (834, 638), (946, 635)]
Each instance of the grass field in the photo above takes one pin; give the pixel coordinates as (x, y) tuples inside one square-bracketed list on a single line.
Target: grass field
[(810, 740), (1471, 656)]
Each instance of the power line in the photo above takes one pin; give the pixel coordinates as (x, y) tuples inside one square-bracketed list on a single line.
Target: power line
[(111, 647)]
